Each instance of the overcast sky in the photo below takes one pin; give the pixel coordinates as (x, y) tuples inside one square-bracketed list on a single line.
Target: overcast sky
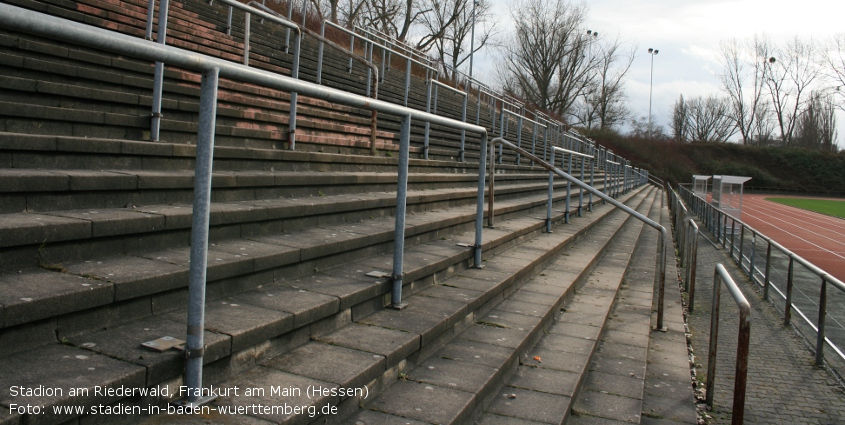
[(687, 35)]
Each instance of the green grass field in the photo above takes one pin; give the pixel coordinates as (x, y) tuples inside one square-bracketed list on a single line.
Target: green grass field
[(823, 206)]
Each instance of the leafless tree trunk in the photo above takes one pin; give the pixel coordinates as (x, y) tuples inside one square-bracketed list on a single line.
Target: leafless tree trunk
[(763, 127), (834, 67), (604, 102), (743, 81), (450, 35), (546, 63)]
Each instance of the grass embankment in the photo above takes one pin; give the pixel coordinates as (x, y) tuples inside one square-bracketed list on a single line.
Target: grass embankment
[(823, 206), (769, 167)]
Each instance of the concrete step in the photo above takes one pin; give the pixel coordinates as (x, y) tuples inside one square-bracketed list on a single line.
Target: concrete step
[(613, 386), (458, 380), (298, 310), (551, 373), (639, 374)]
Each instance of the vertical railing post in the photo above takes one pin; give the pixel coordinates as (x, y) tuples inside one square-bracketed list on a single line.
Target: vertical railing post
[(200, 218), (592, 184), (581, 191), (822, 317), (767, 281), (247, 21), (479, 202), (693, 267), (568, 188), (519, 135), (401, 202), (461, 156), (753, 254), (158, 78), (721, 275), (551, 195), (787, 312), (407, 81), (151, 5), (426, 133), (741, 243)]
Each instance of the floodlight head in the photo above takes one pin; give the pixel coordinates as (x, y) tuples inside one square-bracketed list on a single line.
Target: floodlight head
[(650, 50), (772, 59), (589, 32), (655, 51)]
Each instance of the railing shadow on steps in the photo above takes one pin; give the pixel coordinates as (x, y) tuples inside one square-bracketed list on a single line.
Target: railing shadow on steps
[(35, 23)]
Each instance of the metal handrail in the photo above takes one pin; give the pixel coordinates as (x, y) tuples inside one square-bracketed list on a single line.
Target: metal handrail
[(714, 217), (741, 374), (687, 241), (353, 35), (387, 39), (660, 266), (435, 84), (158, 79), (26, 21)]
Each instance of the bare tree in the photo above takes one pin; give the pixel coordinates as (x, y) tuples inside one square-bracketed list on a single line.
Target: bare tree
[(743, 81), (393, 17), (834, 67), (640, 129), (763, 126), (546, 61), (437, 21), (708, 119), (603, 102), (816, 126), (680, 121), (451, 47), (789, 76)]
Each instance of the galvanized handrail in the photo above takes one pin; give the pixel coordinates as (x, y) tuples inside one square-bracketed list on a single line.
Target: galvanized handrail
[(387, 39), (428, 108), (741, 375), (158, 79), (26, 21), (353, 35), (660, 266), (570, 154), (716, 221), (687, 240), (520, 118)]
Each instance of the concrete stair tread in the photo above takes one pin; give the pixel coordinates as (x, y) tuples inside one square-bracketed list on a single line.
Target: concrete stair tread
[(380, 341), (55, 226), (150, 271), (457, 372), (551, 373)]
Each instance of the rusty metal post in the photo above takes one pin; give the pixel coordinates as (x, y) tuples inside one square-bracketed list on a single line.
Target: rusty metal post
[(787, 311), (822, 317), (767, 280), (721, 275)]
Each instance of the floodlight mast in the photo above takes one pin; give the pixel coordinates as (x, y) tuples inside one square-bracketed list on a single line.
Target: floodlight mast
[(651, 52)]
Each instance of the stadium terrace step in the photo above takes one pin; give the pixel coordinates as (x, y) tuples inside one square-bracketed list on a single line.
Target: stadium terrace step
[(378, 348), (96, 101), (253, 314), (550, 374)]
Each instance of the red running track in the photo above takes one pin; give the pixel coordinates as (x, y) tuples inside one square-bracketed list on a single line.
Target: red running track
[(819, 238)]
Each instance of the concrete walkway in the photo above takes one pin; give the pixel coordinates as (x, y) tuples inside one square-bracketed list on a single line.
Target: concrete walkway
[(784, 386)]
